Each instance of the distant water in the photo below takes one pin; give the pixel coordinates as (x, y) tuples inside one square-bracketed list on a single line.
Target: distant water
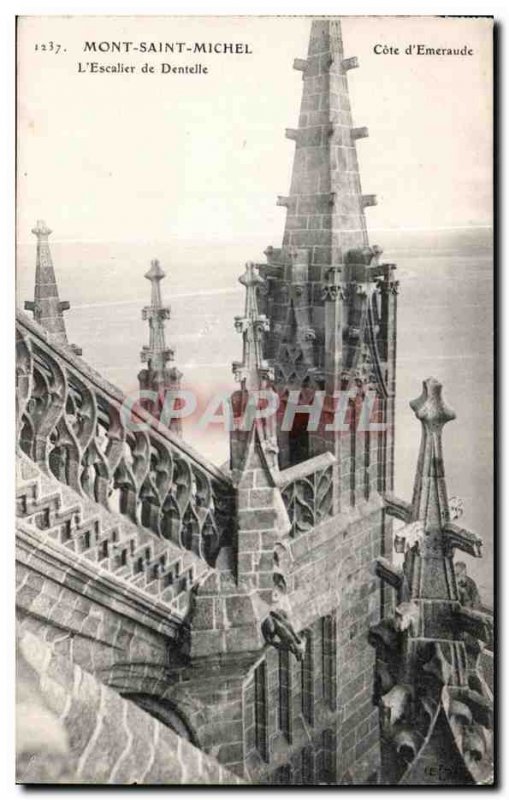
[(445, 329)]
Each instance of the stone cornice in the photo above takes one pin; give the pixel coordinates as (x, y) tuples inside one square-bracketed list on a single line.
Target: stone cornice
[(95, 583)]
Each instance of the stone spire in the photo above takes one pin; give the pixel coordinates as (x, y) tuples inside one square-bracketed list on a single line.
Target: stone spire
[(325, 206), (329, 298), (253, 371), (254, 374), (430, 690), (325, 229), (46, 306), (158, 377)]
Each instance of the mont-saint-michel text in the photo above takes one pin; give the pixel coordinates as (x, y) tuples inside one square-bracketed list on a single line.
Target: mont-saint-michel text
[(153, 48), (177, 48)]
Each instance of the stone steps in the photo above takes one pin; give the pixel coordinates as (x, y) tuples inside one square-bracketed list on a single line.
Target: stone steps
[(129, 551)]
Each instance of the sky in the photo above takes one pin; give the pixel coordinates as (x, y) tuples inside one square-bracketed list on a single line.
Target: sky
[(154, 157)]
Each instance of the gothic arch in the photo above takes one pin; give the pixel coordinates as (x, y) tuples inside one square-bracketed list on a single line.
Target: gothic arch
[(165, 711), (150, 689)]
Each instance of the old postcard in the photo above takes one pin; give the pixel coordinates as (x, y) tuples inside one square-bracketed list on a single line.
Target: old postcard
[(254, 503)]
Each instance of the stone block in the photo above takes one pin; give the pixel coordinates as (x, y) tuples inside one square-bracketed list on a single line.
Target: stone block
[(310, 102), (240, 611), (245, 562), (306, 184), (256, 520), (25, 596), (248, 541), (203, 617), (247, 638), (109, 744), (168, 769), (315, 204), (311, 137), (265, 561), (261, 498), (366, 743), (231, 753), (321, 117), (206, 643)]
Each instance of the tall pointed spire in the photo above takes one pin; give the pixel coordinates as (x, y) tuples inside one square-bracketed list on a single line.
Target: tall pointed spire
[(325, 206), (46, 306), (158, 377), (325, 224), (329, 299)]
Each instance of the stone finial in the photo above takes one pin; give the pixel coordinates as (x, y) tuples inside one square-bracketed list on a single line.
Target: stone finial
[(41, 230), (156, 272), (251, 277), (429, 502), (430, 407)]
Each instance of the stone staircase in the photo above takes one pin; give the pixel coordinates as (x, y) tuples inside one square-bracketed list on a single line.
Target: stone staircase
[(127, 551)]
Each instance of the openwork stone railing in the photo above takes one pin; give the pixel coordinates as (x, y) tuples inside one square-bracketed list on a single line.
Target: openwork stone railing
[(306, 489), (77, 426)]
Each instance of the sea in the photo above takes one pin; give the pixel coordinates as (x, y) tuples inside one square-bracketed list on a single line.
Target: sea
[(445, 330)]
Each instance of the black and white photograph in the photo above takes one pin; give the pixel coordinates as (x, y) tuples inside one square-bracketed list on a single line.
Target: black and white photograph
[(254, 532)]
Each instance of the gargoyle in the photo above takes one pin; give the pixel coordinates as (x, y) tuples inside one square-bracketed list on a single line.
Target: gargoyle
[(278, 631)]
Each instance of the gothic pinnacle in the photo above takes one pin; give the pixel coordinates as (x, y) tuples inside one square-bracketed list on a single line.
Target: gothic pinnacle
[(253, 370), (158, 377), (46, 306), (430, 407), (430, 493), (156, 354)]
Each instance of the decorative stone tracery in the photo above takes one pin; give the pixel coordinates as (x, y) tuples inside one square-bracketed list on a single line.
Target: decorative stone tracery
[(76, 426)]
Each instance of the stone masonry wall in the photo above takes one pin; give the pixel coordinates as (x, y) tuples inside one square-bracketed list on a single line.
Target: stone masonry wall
[(73, 729), (314, 722), (87, 633)]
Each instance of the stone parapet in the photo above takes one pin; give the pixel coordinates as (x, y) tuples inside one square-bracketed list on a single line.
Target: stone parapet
[(85, 433)]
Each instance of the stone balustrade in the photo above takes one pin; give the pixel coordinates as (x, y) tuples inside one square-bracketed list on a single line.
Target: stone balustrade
[(306, 489), (82, 430)]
